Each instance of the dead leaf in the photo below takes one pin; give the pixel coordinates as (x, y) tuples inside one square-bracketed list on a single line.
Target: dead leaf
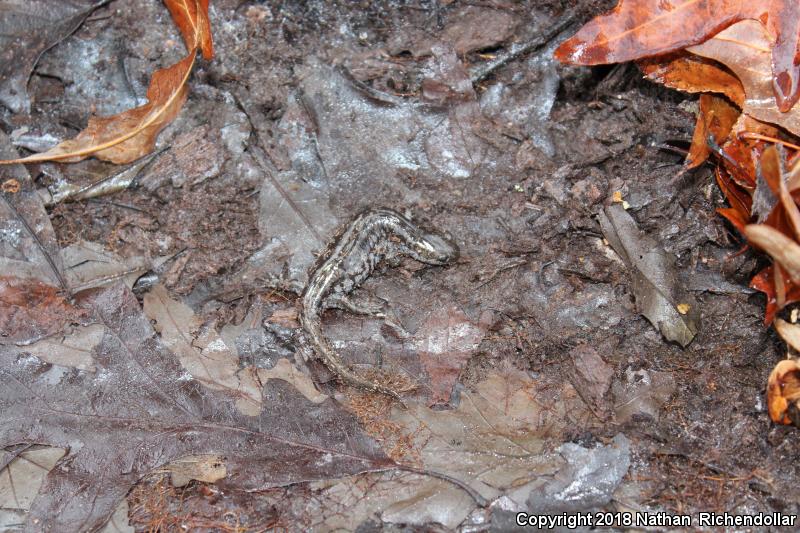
[(592, 379), (289, 373), (208, 468), (201, 351), (745, 48), (790, 333), (716, 119), (641, 393), (781, 248), (783, 392), (494, 441), (191, 17), (28, 245), (22, 472), (445, 343), (140, 410), (129, 135), (27, 29), (693, 74), (655, 281), (643, 28), (31, 310), (87, 265), (73, 350), (764, 282)]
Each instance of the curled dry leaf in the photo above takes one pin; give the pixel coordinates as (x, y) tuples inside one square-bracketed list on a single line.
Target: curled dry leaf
[(692, 74), (781, 248), (764, 282), (129, 135), (783, 392), (790, 333), (716, 119), (191, 17), (656, 284), (201, 351)]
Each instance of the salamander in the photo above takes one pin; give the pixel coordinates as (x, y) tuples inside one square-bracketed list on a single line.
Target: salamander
[(373, 236)]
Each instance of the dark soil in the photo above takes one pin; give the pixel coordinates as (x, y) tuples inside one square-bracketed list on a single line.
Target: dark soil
[(533, 265)]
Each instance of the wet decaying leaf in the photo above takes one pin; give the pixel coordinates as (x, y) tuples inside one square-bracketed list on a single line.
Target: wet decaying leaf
[(140, 410), (657, 288), (31, 310), (87, 265), (745, 49), (642, 28), (494, 441), (22, 472), (445, 343), (27, 29), (28, 245), (201, 351), (592, 379)]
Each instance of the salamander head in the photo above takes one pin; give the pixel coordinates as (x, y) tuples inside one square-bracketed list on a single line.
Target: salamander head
[(434, 249)]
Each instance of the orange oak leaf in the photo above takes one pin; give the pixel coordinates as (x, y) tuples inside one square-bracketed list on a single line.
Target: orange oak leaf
[(764, 282), (642, 28), (693, 74), (129, 135), (745, 49), (716, 119), (783, 391), (191, 17)]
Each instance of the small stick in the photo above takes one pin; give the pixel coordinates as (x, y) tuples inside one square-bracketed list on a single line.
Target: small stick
[(480, 500), (520, 49)]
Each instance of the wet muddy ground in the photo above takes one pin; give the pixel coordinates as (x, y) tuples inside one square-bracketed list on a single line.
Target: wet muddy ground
[(313, 111)]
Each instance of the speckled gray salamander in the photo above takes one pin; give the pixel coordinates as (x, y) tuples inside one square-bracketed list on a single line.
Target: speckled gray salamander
[(373, 236)]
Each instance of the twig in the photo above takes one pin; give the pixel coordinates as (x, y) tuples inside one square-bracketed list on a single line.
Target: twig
[(480, 500), (520, 49), (119, 181)]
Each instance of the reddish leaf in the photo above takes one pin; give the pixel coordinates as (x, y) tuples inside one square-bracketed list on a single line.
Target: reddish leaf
[(745, 49), (764, 282), (644, 28), (739, 198), (129, 135), (31, 310), (191, 17), (716, 118), (693, 74)]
